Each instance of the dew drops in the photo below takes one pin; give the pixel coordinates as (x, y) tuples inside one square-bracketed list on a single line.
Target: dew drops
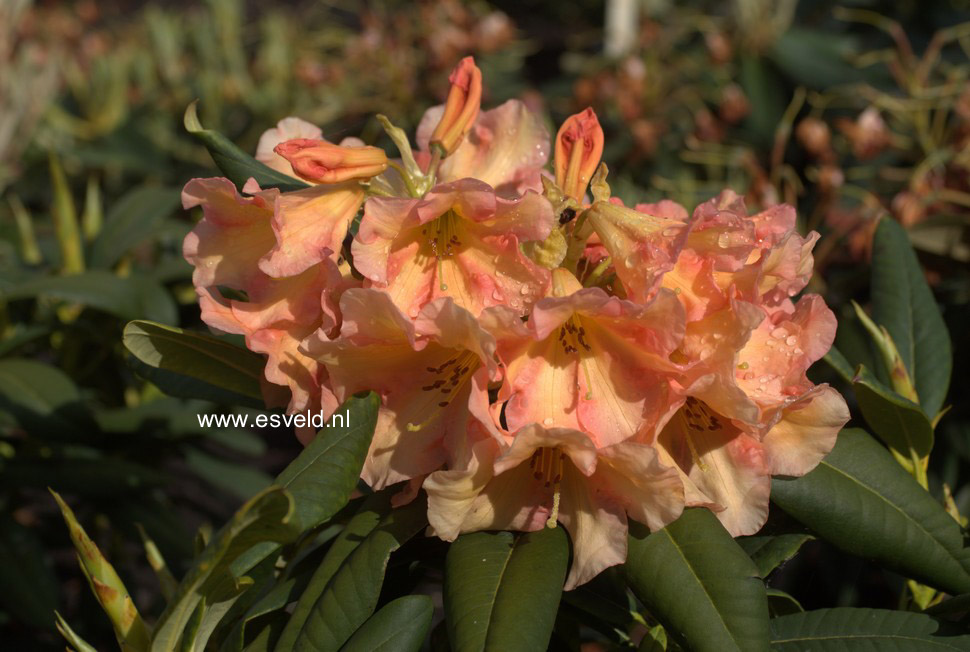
[(723, 241), (670, 232), (547, 421), (497, 295), (524, 290), (444, 287), (743, 365), (779, 333), (628, 263), (791, 340)]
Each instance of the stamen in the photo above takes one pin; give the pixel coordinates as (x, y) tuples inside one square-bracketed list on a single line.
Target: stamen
[(572, 339), (446, 386), (698, 418)]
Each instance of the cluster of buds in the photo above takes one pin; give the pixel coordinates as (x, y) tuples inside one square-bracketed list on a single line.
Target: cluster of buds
[(544, 354)]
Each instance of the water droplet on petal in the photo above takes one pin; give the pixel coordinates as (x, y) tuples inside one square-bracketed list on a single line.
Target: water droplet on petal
[(791, 340), (723, 241), (779, 333), (670, 232), (547, 421)]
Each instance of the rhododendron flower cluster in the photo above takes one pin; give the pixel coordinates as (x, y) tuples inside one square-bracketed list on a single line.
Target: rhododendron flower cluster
[(544, 354)]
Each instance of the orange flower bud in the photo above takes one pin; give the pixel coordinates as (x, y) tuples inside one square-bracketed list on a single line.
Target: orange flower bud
[(579, 146), (322, 162), (461, 108)]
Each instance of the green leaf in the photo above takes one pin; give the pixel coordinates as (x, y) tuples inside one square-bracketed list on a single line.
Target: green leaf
[(770, 551), (216, 574), (322, 478), (782, 604), (699, 584), (400, 626), (195, 365), (352, 594), (896, 420), (30, 586), (40, 397), (837, 361), (863, 502), (131, 221), (502, 590), (108, 589), (817, 59), (237, 165), (862, 630), (903, 303), (373, 509), (133, 297)]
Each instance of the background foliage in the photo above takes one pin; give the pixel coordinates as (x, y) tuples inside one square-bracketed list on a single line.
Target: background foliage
[(851, 111)]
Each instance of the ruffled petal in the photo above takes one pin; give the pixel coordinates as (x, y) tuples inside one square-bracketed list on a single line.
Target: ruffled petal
[(507, 148), (728, 467), (309, 225), (234, 233), (806, 432)]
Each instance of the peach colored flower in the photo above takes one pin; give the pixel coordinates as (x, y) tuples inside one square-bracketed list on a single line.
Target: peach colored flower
[(432, 375), (587, 361), (460, 240), (543, 475)]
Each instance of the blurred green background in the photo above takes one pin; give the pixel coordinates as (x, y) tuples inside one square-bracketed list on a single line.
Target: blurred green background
[(848, 110)]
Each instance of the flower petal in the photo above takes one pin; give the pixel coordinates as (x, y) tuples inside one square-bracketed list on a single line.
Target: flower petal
[(309, 225), (507, 148), (806, 432)]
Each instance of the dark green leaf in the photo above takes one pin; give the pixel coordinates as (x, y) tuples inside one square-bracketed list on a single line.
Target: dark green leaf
[(400, 626), (896, 420), (770, 551), (903, 303), (216, 574), (837, 361), (40, 397), (325, 474), (862, 501), (699, 584), (782, 604), (502, 590), (132, 297), (131, 220), (374, 508), (29, 585), (237, 165), (195, 365), (862, 630), (351, 596), (817, 59)]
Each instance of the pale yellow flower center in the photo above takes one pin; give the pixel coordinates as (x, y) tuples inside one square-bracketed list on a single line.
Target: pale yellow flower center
[(443, 241), (572, 339)]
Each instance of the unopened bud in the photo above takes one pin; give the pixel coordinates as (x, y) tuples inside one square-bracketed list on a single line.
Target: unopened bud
[(579, 146), (321, 162), (461, 107)]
